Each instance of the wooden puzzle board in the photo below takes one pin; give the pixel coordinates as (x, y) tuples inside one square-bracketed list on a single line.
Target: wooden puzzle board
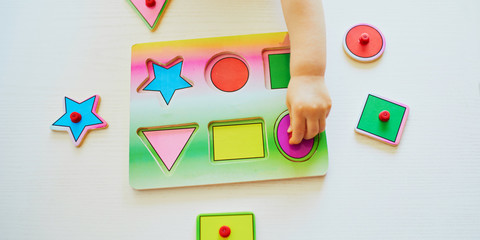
[(209, 111)]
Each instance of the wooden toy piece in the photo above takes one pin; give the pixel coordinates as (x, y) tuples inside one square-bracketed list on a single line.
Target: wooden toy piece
[(149, 10), (383, 119), (203, 111), (231, 226), (79, 118), (364, 43)]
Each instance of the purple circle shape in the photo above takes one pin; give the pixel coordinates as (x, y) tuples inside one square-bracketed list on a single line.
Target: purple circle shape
[(295, 151)]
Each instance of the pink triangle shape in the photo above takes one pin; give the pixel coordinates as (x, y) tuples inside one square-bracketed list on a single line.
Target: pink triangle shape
[(169, 143), (150, 14)]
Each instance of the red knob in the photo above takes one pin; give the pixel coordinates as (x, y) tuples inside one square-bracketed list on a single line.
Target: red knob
[(224, 231), (364, 38), (384, 116), (150, 3), (75, 117)]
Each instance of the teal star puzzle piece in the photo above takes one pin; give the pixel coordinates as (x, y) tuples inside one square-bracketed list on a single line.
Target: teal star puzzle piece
[(167, 81), (89, 118)]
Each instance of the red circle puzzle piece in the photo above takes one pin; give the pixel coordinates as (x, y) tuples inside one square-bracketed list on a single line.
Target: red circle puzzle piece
[(364, 43)]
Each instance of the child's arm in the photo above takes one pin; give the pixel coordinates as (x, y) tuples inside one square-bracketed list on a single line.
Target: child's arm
[(308, 100)]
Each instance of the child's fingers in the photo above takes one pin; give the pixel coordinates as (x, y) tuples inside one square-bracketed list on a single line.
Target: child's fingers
[(328, 112), (312, 128), (297, 125), (322, 124)]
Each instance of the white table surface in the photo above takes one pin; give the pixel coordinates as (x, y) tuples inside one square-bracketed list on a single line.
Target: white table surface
[(426, 188)]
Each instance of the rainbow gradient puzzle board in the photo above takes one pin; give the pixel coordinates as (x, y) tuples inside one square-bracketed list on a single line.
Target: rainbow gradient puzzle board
[(211, 111)]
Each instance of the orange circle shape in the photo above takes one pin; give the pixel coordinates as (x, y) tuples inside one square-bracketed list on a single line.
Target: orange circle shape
[(229, 74), (366, 50)]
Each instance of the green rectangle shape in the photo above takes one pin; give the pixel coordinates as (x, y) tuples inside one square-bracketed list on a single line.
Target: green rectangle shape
[(242, 225), (370, 122), (279, 66), (234, 140)]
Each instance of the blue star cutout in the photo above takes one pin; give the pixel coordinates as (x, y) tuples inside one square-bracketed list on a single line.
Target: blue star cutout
[(167, 80), (89, 118)]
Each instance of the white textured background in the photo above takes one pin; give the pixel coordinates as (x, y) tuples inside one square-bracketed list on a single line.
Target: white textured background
[(427, 188)]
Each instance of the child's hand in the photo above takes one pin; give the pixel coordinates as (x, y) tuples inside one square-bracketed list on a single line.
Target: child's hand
[(309, 104)]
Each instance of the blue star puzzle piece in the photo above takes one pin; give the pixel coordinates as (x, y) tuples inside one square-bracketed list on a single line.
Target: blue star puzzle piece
[(167, 80), (89, 118)]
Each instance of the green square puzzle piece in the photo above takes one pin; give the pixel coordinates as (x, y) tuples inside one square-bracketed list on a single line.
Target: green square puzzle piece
[(241, 224), (279, 66), (387, 131)]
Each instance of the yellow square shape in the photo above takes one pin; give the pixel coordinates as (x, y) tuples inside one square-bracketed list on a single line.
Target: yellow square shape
[(238, 141), (241, 224)]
